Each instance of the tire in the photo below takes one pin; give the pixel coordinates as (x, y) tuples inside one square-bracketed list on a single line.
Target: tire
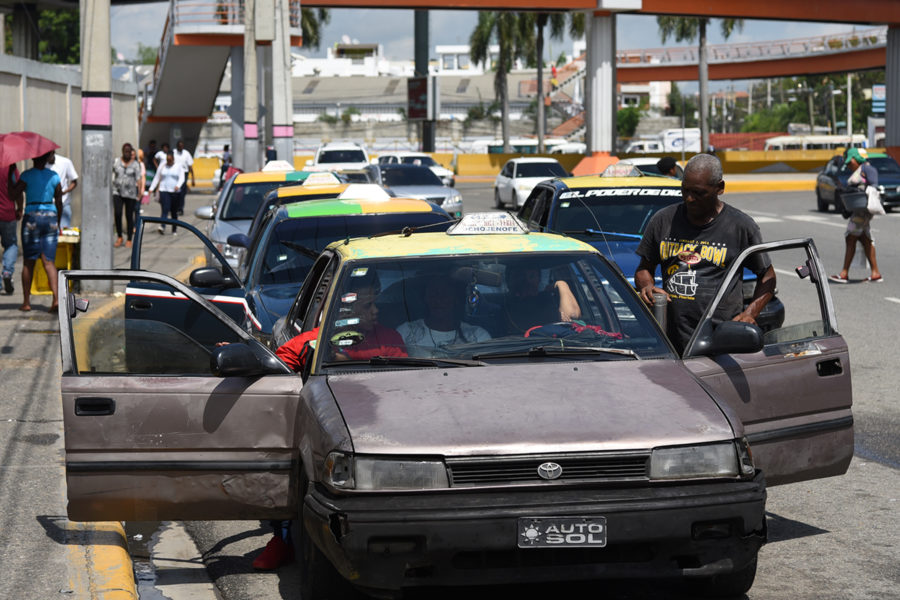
[(731, 585), (319, 580), (498, 203), (821, 204)]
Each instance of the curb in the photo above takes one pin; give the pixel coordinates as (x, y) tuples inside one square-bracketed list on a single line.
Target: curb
[(99, 564)]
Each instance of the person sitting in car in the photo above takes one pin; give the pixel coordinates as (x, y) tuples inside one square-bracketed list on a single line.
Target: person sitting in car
[(442, 326), (528, 305)]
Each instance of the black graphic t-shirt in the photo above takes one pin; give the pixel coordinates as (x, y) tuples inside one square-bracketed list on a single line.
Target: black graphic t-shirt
[(694, 261)]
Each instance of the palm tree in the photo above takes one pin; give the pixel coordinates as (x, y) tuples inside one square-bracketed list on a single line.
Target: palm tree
[(687, 29), (513, 37), (557, 25), (311, 22)]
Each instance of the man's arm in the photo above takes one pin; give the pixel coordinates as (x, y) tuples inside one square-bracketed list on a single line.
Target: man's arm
[(645, 282), (57, 200), (568, 305), (762, 293), (16, 193), (73, 179)]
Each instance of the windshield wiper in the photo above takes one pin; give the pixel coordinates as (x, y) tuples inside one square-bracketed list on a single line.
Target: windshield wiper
[(544, 351), (407, 361)]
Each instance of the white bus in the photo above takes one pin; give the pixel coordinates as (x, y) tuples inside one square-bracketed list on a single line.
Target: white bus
[(815, 142)]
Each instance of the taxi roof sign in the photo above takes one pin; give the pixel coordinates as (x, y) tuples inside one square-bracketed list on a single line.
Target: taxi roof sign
[(322, 177), (488, 222)]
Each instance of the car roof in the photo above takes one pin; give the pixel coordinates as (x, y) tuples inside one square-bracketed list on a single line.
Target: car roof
[(341, 146), (445, 244), (356, 206), (533, 159), (596, 181), (270, 176)]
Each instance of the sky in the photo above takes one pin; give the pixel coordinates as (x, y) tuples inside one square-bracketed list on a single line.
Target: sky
[(393, 29)]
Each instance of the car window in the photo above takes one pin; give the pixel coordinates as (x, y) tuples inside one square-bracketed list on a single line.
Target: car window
[(409, 176), (425, 161), (530, 204), (540, 169), (304, 297), (119, 336), (475, 305), (341, 156), (313, 315), (624, 212), (885, 165), (244, 198)]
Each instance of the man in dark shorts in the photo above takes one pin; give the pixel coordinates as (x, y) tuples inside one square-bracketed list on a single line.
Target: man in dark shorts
[(695, 242)]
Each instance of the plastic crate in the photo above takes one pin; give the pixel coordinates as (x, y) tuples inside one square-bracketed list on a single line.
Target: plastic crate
[(65, 259)]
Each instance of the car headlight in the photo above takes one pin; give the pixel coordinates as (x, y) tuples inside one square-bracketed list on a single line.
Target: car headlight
[(348, 472), (698, 462)]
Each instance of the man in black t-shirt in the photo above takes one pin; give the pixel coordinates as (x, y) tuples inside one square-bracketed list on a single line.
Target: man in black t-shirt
[(695, 242)]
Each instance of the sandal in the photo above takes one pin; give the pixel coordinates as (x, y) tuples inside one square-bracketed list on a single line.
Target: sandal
[(878, 279), (838, 279)]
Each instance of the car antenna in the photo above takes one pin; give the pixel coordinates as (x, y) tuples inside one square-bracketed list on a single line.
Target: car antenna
[(597, 223)]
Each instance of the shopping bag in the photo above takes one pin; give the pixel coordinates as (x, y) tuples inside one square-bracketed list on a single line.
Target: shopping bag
[(873, 204)]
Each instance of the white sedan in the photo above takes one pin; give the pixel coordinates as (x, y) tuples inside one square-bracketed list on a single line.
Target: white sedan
[(519, 176)]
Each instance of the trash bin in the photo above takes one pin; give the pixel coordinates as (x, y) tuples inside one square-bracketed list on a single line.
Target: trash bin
[(66, 253)]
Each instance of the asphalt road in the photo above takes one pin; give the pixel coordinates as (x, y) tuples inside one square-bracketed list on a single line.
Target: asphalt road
[(833, 538)]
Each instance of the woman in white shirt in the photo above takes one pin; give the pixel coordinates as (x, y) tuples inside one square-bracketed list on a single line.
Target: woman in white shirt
[(442, 325), (169, 178)]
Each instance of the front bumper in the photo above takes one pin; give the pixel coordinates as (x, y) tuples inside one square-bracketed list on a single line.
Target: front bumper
[(391, 541)]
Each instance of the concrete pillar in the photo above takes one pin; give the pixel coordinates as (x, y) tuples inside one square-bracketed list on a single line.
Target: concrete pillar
[(282, 93), (421, 70), (251, 97), (96, 139), (25, 35), (600, 84), (236, 111), (2, 32), (892, 90)]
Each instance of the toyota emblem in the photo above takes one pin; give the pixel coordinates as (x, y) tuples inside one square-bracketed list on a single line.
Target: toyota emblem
[(549, 470)]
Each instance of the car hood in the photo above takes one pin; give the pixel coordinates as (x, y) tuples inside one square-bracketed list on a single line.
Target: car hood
[(422, 191), (222, 229), (529, 408)]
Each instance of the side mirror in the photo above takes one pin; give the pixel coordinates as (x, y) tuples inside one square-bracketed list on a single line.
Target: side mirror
[(204, 212), (235, 360), (207, 277), (240, 240), (730, 337)]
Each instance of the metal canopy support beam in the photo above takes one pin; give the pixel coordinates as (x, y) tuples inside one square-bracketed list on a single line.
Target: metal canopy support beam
[(282, 95), (600, 85), (421, 70), (96, 139), (236, 110), (251, 91)]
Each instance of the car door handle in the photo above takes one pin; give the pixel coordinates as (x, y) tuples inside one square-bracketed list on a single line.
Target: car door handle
[(141, 305), (94, 407), (829, 367)]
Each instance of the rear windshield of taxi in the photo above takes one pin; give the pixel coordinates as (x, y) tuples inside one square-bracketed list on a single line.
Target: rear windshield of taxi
[(243, 199)]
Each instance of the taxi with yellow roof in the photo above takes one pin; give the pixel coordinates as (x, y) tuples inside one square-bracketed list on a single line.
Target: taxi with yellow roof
[(477, 406), (444, 402)]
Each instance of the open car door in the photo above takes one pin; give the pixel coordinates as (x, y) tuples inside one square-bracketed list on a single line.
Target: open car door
[(162, 425), (794, 395)]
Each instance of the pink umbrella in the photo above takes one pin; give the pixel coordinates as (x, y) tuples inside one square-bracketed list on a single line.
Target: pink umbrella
[(23, 145)]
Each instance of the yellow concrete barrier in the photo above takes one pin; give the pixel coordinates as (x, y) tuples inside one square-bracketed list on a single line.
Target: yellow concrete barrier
[(490, 164)]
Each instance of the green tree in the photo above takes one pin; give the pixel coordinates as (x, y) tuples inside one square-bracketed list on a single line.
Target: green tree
[(627, 120), (512, 33), (312, 20), (60, 40), (688, 29), (146, 55), (680, 104)]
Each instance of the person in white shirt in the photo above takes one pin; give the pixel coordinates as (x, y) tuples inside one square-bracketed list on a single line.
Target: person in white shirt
[(184, 158), (168, 179), (159, 158), (68, 180), (442, 325)]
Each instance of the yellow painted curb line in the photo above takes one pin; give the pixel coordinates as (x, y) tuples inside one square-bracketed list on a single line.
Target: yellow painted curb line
[(100, 566), (796, 185)]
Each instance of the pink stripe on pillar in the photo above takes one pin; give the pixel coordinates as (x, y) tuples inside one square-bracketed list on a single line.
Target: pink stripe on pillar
[(251, 130), (96, 111), (283, 131)]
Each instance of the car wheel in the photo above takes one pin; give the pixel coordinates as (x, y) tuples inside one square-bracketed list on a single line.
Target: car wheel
[(821, 204), (319, 580), (731, 585), (498, 203)]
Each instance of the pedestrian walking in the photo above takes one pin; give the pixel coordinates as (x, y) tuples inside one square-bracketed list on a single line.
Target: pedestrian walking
[(8, 217), (226, 164), (143, 196), (858, 230), (127, 188), (68, 180), (168, 179), (184, 158), (159, 158), (40, 224), (149, 159)]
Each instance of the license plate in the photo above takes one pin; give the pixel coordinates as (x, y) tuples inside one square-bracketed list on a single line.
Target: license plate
[(562, 532)]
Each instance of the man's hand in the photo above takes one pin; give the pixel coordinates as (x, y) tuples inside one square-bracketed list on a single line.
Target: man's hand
[(647, 292), (745, 317)]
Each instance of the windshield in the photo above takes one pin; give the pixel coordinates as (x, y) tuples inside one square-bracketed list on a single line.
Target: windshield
[(885, 166), (613, 210), (342, 156), (244, 198), (485, 308), (409, 176), (294, 244), (425, 161), (540, 170)]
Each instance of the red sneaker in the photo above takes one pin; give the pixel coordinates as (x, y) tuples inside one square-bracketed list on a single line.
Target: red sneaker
[(276, 553)]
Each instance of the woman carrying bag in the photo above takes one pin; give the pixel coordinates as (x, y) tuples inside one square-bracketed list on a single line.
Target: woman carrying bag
[(127, 188), (863, 179)]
